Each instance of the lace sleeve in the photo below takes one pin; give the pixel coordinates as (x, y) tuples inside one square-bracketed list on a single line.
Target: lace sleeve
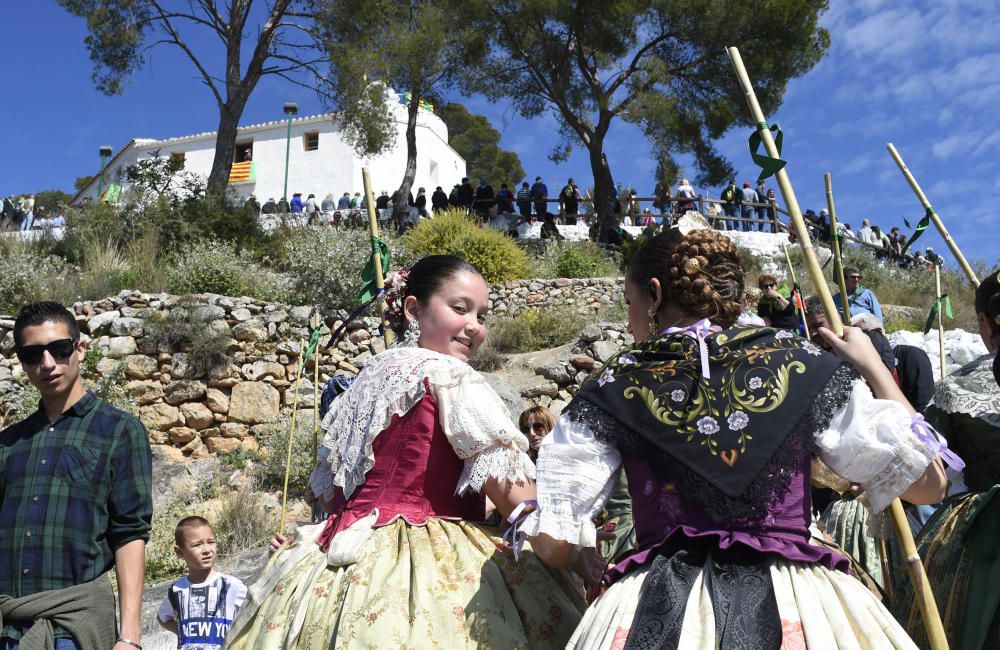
[(479, 429), (576, 475), (321, 479), (869, 441)]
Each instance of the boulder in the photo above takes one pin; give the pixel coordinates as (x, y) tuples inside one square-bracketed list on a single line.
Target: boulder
[(180, 366), (145, 392), (121, 346), (304, 388), (241, 315), (556, 372), (216, 401), (260, 369), (510, 398), (107, 366), (197, 415), (582, 362), (252, 331), (139, 366), (181, 436), (7, 344), (253, 401), (207, 313), (233, 430), (301, 315), (178, 392), (549, 389), (195, 449), (604, 350), (101, 323), (127, 327), (162, 417), (592, 332), (222, 445)]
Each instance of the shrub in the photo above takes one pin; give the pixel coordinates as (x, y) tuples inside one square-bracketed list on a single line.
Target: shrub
[(579, 260), (274, 452), (17, 402), (109, 387), (326, 264), (161, 561), (242, 522), (187, 327), (451, 232), (216, 266), (26, 276), (536, 330), (487, 359)]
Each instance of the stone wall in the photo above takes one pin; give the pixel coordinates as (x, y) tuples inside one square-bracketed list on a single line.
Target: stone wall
[(205, 412)]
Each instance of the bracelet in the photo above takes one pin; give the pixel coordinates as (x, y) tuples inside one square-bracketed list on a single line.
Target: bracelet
[(130, 642)]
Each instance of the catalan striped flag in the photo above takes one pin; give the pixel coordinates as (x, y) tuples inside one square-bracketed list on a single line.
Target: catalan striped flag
[(243, 172)]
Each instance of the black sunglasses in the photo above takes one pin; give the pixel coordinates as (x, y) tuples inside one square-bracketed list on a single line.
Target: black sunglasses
[(768, 286), (536, 426), (32, 354)]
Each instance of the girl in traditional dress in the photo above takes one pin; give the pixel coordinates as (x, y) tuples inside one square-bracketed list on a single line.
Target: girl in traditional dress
[(410, 452), (714, 426), (959, 544)]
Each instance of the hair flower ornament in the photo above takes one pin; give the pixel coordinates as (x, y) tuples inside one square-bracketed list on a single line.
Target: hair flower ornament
[(395, 292)]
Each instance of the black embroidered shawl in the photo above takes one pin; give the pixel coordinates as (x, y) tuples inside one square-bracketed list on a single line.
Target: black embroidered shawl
[(724, 431)]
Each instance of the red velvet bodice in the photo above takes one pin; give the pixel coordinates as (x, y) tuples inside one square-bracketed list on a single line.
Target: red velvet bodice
[(414, 477)]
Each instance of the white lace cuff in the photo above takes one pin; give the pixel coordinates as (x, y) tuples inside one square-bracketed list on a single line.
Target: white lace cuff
[(902, 472), (558, 522), (500, 462)]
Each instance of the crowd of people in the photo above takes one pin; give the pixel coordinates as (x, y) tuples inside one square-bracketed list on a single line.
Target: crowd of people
[(21, 213), (670, 504)]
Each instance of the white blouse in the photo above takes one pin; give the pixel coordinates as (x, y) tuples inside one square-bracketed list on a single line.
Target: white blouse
[(868, 441), (473, 418)]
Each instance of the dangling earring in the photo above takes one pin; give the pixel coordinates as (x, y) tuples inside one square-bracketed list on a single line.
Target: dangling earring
[(412, 334), (654, 328)]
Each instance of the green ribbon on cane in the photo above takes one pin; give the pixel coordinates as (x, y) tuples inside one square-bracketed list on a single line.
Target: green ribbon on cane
[(313, 343), (919, 230), (369, 288), (769, 166), (934, 311)]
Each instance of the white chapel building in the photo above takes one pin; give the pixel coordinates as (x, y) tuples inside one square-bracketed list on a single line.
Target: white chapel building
[(320, 161)]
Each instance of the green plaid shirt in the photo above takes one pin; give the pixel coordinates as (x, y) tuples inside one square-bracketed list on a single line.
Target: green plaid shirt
[(71, 492)]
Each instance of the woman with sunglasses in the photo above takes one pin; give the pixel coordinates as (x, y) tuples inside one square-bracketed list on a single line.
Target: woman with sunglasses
[(535, 423), (777, 309), (714, 425)]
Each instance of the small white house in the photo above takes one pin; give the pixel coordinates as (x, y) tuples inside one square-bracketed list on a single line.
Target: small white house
[(320, 161)]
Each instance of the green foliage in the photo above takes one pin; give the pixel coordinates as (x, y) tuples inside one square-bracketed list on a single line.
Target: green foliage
[(274, 451), (578, 260), (110, 387), (188, 328), (487, 359), (215, 266), (161, 561), (49, 203), (26, 275), (17, 402), (242, 522), (475, 139), (536, 329), (325, 264), (451, 232)]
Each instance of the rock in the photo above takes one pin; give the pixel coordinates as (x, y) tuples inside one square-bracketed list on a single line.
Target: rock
[(604, 350), (233, 430), (252, 331), (305, 392), (510, 398), (127, 327), (289, 348), (162, 417), (176, 477), (183, 390), (145, 392), (217, 401), (261, 369), (302, 314), (195, 448), (549, 389), (222, 445), (211, 432), (362, 359), (279, 316), (592, 332), (359, 336), (121, 346), (218, 328), (197, 415), (207, 313), (107, 366), (181, 436), (139, 366), (101, 323), (556, 372), (7, 345), (241, 315), (252, 402), (582, 362), (557, 405), (180, 366), (5, 374)]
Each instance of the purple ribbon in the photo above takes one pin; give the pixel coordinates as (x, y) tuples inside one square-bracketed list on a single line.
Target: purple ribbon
[(699, 330), (513, 537), (925, 432)]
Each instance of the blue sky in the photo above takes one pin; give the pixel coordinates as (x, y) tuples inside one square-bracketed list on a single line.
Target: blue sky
[(923, 75)]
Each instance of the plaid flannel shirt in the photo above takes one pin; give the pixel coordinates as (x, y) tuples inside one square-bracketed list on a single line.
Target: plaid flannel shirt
[(71, 492)]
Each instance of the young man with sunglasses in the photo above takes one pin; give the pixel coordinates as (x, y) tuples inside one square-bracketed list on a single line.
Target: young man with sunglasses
[(859, 299), (75, 501)]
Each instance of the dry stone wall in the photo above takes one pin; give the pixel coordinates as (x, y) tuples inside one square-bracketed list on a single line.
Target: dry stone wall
[(200, 413)]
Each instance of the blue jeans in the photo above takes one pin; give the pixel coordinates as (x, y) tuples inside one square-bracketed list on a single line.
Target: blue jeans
[(61, 644), (747, 226), (28, 220)]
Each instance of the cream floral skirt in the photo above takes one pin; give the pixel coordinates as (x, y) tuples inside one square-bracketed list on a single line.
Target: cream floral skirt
[(447, 584)]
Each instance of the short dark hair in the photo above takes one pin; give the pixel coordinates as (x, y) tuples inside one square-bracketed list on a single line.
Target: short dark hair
[(45, 311), (988, 300), (850, 270), (194, 521)]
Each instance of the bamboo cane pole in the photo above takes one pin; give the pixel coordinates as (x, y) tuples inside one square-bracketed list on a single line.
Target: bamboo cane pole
[(373, 230), (291, 438), (925, 598), (937, 283), (935, 219), (883, 559), (838, 260), (315, 447), (795, 291)]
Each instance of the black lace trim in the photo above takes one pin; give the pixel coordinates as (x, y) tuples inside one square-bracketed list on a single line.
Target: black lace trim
[(769, 486)]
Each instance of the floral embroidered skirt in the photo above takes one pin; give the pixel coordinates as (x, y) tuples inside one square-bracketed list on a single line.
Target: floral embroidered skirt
[(700, 600), (445, 584), (846, 523)]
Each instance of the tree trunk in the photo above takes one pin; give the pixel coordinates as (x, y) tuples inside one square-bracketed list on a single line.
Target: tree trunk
[(225, 147), (401, 200), (604, 188)]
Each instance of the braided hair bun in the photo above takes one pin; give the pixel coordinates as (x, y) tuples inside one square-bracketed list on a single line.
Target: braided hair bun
[(701, 272), (988, 301)]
